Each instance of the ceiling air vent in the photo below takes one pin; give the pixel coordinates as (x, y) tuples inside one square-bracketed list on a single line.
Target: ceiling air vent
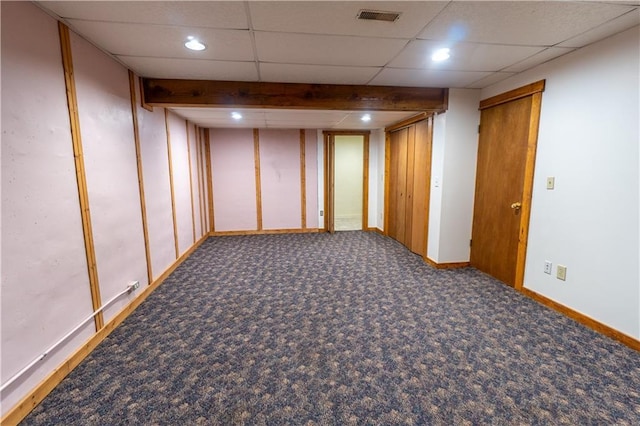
[(378, 15)]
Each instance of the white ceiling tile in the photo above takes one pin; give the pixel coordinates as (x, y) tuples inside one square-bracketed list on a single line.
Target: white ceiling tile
[(294, 124), (534, 23), (165, 41), (610, 28), (256, 124), (326, 50), (464, 56), (379, 119), (490, 79), (318, 74), (537, 59), (320, 115), (339, 17), (426, 78), (191, 69), (219, 14), (218, 113)]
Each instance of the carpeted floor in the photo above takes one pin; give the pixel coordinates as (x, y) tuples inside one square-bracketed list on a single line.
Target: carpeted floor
[(343, 329)]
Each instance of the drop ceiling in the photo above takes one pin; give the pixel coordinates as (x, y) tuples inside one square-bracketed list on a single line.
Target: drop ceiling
[(324, 42)]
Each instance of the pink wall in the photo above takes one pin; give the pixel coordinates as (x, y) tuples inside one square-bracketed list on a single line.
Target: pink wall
[(233, 176), (280, 178), (42, 241), (181, 182), (311, 177), (157, 193), (110, 162), (44, 277)]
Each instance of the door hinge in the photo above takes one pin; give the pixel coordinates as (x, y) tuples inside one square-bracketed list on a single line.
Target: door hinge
[(479, 128), (470, 243)]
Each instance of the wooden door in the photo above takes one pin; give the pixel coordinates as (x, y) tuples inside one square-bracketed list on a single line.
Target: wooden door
[(506, 155), (421, 187), (398, 186), (409, 172), (409, 178)]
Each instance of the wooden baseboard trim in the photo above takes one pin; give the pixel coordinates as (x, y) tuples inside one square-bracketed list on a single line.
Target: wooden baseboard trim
[(378, 230), (17, 413), (584, 319), (264, 232), (449, 265)]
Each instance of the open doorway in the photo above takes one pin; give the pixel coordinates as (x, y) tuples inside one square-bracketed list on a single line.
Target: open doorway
[(346, 181)]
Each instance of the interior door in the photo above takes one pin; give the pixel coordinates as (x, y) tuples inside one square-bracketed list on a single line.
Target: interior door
[(330, 176), (506, 154), (348, 188), (409, 172), (398, 186), (421, 187)]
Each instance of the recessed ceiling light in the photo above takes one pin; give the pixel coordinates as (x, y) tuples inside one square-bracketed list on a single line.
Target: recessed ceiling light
[(236, 115), (366, 117), (194, 44), (441, 55)]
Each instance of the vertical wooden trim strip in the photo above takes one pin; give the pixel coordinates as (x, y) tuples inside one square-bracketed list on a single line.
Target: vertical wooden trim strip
[(365, 184), (193, 213), (199, 177), (303, 181), (326, 180), (387, 187), (203, 179), (207, 149), (83, 194), (256, 157), (173, 195), (143, 204), (525, 211)]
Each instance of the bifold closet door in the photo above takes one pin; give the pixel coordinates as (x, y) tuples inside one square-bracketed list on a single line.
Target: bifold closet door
[(398, 185), (409, 175), (420, 189)]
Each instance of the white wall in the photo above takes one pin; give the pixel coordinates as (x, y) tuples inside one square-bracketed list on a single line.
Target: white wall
[(435, 197), (588, 140), (376, 179), (453, 172), (320, 157)]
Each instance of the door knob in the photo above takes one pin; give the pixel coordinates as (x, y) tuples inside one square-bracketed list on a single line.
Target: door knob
[(516, 206)]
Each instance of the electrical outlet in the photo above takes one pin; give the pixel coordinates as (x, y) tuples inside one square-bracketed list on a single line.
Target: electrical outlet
[(547, 267), (551, 182), (133, 286), (562, 273)]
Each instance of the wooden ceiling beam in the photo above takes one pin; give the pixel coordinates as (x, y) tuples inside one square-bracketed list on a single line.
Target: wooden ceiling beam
[(237, 94)]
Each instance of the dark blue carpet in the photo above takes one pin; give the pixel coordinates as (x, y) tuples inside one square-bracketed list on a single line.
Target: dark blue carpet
[(351, 328)]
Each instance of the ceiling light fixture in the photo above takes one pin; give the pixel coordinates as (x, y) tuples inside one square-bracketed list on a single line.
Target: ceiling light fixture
[(236, 115), (366, 117), (194, 44), (441, 55)]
